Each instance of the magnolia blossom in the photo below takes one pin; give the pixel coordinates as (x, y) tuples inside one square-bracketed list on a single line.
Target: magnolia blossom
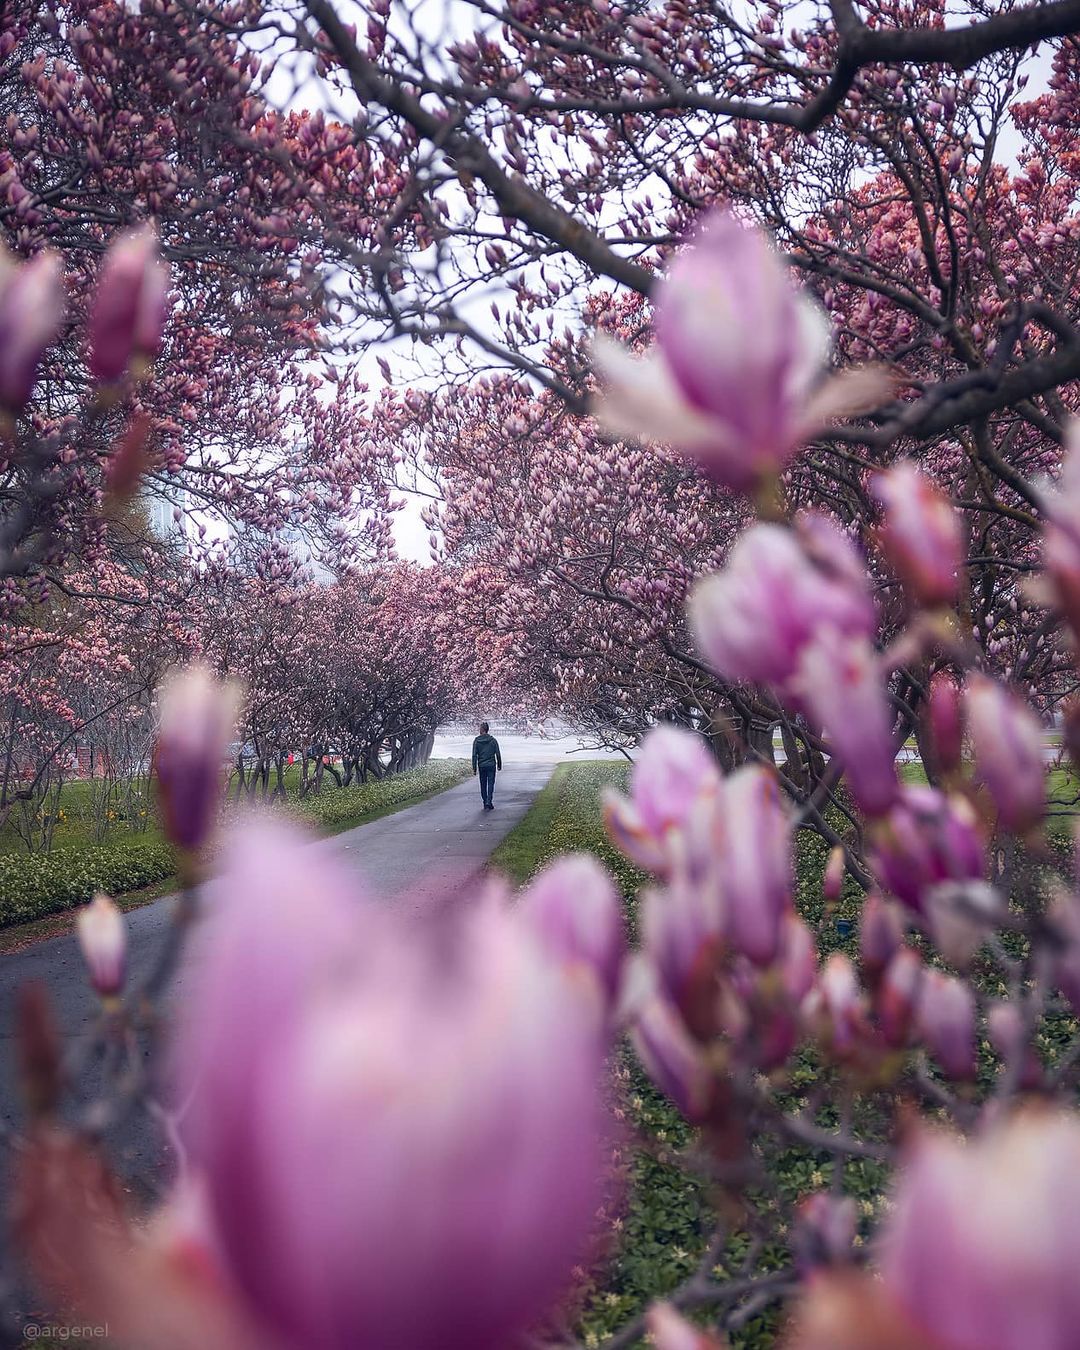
[(672, 1058), (1008, 742), (896, 995), (926, 839), (682, 932), (833, 880), (378, 1110), (127, 316), (841, 684), (824, 1230), (980, 1250), (836, 1007), (945, 715), (673, 773), (32, 303), (753, 619), (754, 862), (197, 717), (669, 1330), (1061, 533), (881, 931), (920, 533), (946, 1022), (578, 914), (99, 927), (737, 377)]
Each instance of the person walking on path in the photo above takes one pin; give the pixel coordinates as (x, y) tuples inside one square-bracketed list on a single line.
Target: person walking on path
[(486, 758)]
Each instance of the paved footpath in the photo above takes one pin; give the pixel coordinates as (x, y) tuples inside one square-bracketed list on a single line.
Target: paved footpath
[(414, 857)]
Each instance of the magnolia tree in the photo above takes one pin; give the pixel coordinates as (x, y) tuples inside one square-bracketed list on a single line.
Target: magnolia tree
[(392, 1131)]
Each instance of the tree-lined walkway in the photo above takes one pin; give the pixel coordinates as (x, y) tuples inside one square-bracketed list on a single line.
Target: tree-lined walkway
[(414, 856)]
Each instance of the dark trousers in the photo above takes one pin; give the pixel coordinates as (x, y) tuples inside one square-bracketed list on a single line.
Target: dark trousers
[(487, 781)]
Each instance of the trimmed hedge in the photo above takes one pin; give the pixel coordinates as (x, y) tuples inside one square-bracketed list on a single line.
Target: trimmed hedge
[(35, 884)]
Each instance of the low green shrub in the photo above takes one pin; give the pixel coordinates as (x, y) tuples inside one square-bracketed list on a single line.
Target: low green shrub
[(339, 808), (35, 884)]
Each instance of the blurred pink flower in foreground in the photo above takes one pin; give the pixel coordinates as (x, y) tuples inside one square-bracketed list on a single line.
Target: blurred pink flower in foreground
[(669, 1330), (576, 911), (673, 774), (1061, 532), (32, 303), (197, 720), (127, 316), (1007, 739), (926, 839), (400, 1132), (737, 376), (980, 1252), (841, 683), (920, 533), (753, 619), (99, 927)]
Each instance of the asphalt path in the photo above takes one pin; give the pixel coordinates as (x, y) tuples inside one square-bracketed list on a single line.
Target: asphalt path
[(415, 858)]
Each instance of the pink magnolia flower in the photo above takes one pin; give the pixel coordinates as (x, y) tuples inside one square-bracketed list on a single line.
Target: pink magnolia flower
[(824, 1231), (945, 714), (673, 774), (378, 1109), (920, 534), (754, 862), (926, 839), (836, 1006), (672, 1059), (577, 912), (682, 935), (737, 377), (841, 684), (669, 1330), (753, 619), (896, 995), (32, 304), (881, 932), (979, 1251), (833, 880), (197, 717), (129, 308), (1061, 532), (945, 1019), (1007, 739), (99, 928)]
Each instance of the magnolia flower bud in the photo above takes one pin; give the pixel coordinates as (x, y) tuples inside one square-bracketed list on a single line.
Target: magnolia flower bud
[(753, 619), (946, 1023), (578, 914), (32, 304), (128, 311), (197, 718), (896, 995), (946, 721), (740, 408), (881, 932), (840, 682), (668, 1330), (927, 838), (674, 770), (1008, 742), (920, 534), (754, 857), (824, 1230), (99, 927), (672, 1060), (979, 1249), (833, 881)]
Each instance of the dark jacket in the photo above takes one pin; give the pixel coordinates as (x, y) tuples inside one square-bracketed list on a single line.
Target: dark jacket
[(485, 750)]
